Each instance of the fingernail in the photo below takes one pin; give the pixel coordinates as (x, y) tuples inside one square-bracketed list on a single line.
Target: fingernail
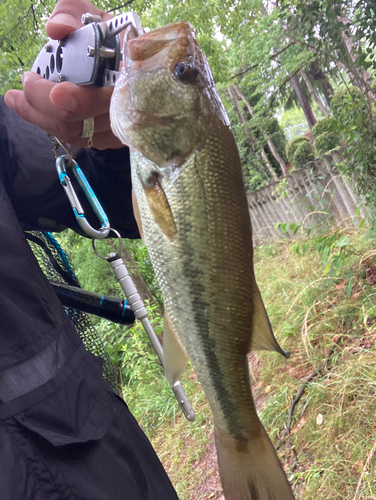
[(66, 20), (10, 101), (26, 76)]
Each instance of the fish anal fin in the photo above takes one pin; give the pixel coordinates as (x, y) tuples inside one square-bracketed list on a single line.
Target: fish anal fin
[(262, 334), (175, 357), (159, 206)]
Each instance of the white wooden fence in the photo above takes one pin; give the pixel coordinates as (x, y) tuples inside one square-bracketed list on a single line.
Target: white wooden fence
[(317, 194)]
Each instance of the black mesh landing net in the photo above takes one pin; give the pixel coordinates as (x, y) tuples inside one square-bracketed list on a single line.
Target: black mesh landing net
[(56, 267)]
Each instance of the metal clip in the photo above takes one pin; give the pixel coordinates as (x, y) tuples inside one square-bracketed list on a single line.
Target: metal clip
[(55, 143), (61, 163)]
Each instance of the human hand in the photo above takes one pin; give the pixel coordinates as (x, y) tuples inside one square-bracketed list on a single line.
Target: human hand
[(60, 109)]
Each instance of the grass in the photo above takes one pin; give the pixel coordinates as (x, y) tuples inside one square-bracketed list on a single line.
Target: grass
[(333, 430), (333, 425)]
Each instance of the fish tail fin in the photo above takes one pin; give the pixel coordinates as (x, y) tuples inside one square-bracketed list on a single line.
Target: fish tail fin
[(251, 470)]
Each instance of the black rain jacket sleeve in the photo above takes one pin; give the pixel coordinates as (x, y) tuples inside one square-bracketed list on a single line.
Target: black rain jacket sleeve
[(29, 176), (31, 197)]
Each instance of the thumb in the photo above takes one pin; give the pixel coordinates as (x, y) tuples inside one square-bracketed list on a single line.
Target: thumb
[(61, 24), (66, 17)]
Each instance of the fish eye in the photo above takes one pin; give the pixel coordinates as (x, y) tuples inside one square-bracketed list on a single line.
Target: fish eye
[(185, 72)]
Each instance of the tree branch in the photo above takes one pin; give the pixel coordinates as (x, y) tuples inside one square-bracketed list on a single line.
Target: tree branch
[(283, 84), (245, 71), (22, 18), (120, 6), (273, 56)]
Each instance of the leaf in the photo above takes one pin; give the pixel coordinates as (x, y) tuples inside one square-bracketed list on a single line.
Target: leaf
[(349, 283), (343, 242)]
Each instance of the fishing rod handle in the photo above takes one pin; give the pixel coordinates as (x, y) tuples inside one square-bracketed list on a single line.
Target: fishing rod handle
[(110, 308)]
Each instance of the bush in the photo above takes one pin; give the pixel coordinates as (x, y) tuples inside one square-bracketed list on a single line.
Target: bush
[(356, 124), (348, 100), (293, 145), (322, 126), (326, 142), (278, 137), (303, 154)]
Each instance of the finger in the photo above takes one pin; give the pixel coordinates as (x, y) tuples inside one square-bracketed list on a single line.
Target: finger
[(81, 101), (65, 101), (67, 131), (66, 17), (36, 94)]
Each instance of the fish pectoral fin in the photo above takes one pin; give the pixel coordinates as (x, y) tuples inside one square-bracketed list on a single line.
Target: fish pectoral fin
[(158, 204), (262, 334), (175, 357)]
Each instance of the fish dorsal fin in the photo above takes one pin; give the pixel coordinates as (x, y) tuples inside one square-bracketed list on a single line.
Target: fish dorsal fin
[(175, 357), (262, 334)]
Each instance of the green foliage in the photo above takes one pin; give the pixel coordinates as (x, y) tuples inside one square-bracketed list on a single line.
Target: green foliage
[(308, 315), (325, 136), (325, 142), (254, 174), (284, 227), (292, 117), (303, 154), (322, 126), (335, 250), (144, 266), (278, 137), (282, 190), (355, 124), (93, 273), (292, 146), (348, 100)]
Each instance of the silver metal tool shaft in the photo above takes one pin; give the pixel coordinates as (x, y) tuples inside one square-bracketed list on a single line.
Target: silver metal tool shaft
[(136, 304)]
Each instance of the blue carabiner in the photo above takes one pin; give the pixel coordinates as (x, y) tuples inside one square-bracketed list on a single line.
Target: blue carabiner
[(78, 211)]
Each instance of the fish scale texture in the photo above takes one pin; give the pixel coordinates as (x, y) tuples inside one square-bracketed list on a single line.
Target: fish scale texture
[(205, 272)]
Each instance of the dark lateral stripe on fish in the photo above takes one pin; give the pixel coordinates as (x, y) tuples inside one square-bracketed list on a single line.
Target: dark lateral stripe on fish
[(217, 376)]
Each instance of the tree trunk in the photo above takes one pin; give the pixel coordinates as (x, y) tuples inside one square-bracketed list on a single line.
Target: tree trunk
[(327, 89), (264, 159), (358, 75), (266, 136), (315, 97), (305, 105)]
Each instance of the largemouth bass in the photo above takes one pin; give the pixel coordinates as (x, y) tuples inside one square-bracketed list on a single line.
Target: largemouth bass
[(187, 177)]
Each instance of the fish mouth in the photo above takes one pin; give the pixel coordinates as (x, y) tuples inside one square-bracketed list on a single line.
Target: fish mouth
[(149, 44), (162, 48), (153, 109)]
